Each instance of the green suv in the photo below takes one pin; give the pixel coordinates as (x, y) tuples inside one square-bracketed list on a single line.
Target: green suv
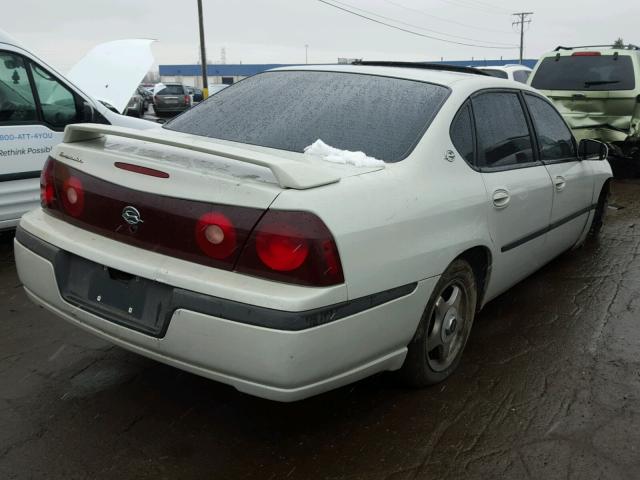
[(597, 91)]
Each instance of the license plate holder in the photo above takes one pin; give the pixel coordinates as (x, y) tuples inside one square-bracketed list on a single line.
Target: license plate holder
[(134, 302)]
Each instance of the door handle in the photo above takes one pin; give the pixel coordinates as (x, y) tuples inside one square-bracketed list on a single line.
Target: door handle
[(501, 198), (559, 183)]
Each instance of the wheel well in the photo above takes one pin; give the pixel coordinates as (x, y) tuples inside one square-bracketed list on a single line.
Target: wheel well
[(480, 260)]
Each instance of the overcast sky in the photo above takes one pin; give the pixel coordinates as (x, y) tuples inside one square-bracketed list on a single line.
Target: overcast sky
[(276, 31)]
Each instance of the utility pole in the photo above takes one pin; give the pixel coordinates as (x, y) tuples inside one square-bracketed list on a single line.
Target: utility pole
[(306, 54), (203, 54), (523, 18)]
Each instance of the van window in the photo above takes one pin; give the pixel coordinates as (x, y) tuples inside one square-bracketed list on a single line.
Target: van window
[(521, 76), (503, 134), (585, 73), (16, 97), (57, 101)]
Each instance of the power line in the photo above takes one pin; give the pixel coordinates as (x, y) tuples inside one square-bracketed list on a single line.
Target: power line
[(446, 19), (409, 31), (524, 19), (461, 3), (501, 44)]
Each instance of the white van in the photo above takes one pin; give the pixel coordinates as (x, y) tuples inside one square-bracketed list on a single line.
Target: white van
[(36, 103)]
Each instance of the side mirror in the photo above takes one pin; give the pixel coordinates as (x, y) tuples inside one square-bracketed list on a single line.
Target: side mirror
[(87, 113), (592, 150)]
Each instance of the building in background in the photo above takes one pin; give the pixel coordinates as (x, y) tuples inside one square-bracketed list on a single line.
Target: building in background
[(231, 73), (217, 74)]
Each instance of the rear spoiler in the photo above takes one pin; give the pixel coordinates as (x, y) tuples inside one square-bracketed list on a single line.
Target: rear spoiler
[(296, 174)]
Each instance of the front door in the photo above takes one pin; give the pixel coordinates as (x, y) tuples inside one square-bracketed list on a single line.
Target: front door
[(572, 181)]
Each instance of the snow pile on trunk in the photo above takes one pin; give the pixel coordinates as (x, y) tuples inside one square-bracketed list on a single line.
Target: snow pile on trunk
[(335, 155)]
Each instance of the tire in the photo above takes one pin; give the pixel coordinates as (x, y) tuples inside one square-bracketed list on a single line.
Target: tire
[(601, 212), (434, 353)]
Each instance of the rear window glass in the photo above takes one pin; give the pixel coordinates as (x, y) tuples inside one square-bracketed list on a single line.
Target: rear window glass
[(496, 73), (595, 73), (171, 90), (289, 110)]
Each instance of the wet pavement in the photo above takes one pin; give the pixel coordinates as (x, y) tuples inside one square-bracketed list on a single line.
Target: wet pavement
[(549, 387)]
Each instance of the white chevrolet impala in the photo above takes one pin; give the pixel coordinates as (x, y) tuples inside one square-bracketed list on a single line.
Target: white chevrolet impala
[(311, 226)]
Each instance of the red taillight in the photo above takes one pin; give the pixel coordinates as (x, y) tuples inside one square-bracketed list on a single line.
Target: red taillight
[(283, 249), (47, 188), (73, 196), (187, 99), (586, 54), (292, 247), (216, 235)]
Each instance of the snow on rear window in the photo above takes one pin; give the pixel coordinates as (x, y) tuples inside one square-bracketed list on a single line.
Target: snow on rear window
[(383, 117)]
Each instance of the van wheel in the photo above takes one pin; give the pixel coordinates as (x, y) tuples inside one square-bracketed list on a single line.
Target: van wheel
[(436, 349), (601, 212)]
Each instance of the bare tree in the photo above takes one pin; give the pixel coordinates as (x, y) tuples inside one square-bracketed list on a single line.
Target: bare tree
[(619, 43)]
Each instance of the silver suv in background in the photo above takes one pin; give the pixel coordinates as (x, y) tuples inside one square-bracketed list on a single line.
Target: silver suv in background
[(173, 98)]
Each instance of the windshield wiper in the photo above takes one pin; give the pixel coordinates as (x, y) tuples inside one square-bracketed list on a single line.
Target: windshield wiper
[(600, 82)]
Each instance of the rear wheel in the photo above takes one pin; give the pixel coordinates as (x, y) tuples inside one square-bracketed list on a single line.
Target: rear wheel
[(444, 328)]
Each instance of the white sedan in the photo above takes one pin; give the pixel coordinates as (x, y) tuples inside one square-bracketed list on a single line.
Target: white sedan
[(310, 226)]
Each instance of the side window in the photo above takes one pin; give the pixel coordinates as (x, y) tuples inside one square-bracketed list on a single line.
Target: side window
[(58, 103), (462, 134), (16, 97), (554, 137), (503, 134), (521, 76)]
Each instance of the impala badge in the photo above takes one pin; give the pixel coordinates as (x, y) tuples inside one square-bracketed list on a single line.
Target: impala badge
[(131, 215)]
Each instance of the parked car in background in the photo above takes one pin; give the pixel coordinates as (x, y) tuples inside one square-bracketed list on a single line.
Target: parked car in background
[(519, 73), (196, 93), (311, 226), (36, 104), (147, 97), (597, 91), (135, 107), (173, 98)]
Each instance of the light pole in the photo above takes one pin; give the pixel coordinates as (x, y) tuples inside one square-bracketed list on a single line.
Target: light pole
[(306, 53), (203, 54)]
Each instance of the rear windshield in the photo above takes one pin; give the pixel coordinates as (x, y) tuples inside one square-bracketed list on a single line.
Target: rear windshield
[(496, 73), (592, 73), (171, 90), (289, 110)]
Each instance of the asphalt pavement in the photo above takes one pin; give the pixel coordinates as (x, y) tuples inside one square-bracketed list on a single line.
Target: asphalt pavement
[(549, 387)]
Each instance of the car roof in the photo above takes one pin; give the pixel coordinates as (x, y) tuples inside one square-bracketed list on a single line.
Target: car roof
[(604, 49), (441, 77)]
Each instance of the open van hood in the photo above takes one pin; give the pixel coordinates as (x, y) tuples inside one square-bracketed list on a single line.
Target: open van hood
[(111, 71)]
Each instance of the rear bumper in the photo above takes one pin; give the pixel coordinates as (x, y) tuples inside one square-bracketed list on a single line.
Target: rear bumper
[(273, 363)]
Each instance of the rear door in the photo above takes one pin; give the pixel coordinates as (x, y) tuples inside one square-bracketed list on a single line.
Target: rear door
[(519, 189), (573, 182)]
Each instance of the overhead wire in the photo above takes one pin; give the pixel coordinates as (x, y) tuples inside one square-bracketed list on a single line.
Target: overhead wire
[(500, 46), (447, 20)]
